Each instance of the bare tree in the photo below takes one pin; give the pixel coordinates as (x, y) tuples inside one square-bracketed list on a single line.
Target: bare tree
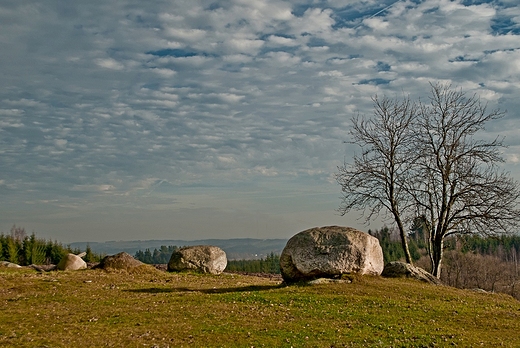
[(421, 164), (376, 181), (460, 189), (18, 233)]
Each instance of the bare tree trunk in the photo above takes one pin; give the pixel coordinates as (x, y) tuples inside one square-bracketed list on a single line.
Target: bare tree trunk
[(406, 250), (404, 242), (437, 252)]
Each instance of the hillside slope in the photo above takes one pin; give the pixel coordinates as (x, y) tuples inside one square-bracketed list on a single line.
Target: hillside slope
[(157, 309)]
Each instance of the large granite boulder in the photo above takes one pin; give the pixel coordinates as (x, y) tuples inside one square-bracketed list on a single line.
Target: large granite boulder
[(199, 258), (71, 262), (329, 252), (397, 269)]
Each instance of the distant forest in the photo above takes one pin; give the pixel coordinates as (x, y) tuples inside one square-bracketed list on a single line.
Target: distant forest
[(269, 264), (157, 256)]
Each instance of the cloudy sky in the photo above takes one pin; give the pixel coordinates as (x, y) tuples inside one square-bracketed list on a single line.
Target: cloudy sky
[(123, 120)]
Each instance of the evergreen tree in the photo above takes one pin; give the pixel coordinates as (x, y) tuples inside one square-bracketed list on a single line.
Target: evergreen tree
[(89, 255), (158, 256), (148, 257), (12, 249)]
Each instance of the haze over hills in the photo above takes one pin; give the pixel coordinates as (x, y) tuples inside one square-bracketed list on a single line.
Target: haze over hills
[(236, 249)]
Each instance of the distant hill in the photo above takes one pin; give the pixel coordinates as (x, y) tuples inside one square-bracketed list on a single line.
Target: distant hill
[(236, 249)]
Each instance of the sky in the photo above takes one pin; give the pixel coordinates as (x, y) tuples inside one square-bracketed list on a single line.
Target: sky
[(132, 120)]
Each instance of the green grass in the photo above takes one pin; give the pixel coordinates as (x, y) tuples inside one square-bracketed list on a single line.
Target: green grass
[(95, 308)]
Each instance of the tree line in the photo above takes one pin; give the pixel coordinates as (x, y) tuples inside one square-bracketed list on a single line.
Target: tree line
[(269, 264), (22, 249), (157, 256)]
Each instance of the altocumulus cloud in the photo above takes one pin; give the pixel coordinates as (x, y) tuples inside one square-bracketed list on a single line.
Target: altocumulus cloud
[(220, 118)]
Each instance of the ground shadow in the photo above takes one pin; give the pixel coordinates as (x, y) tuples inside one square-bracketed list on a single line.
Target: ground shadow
[(156, 290)]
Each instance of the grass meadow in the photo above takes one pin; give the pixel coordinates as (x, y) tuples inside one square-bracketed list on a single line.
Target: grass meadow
[(151, 308)]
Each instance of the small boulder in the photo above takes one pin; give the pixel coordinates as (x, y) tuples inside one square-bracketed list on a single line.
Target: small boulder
[(397, 269), (9, 264), (71, 262), (199, 258), (329, 252), (121, 261)]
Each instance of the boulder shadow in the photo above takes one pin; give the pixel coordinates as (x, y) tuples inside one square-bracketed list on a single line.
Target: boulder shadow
[(250, 288)]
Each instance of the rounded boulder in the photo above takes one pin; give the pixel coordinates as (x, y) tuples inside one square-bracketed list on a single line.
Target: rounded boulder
[(329, 252), (71, 262), (121, 260), (199, 258)]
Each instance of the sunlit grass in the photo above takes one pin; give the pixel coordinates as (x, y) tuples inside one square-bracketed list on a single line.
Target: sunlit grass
[(94, 308)]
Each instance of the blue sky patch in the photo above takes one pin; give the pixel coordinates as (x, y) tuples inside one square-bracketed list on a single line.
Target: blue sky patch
[(173, 52)]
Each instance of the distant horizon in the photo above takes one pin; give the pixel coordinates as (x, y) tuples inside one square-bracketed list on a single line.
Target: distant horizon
[(181, 240), (234, 247)]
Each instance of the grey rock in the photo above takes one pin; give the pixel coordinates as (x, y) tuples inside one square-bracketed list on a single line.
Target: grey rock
[(9, 264), (329, 281), (397, 269), (329, 252), (71, 262), (122, 261), (199, 258)]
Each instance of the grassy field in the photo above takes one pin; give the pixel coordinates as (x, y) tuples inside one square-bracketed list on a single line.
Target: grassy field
[(95, 308)]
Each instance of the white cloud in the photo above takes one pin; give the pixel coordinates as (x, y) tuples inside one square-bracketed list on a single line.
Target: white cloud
[(284, 58), (93, 188), (186, 35), (167, 73), (109, 63), (11, 112), (226, 159), (230, 97), (513, 158), (60, 142), (264, 171), (244, 46), (376, 24), (105, 188), (282, 41), (333, 73)]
